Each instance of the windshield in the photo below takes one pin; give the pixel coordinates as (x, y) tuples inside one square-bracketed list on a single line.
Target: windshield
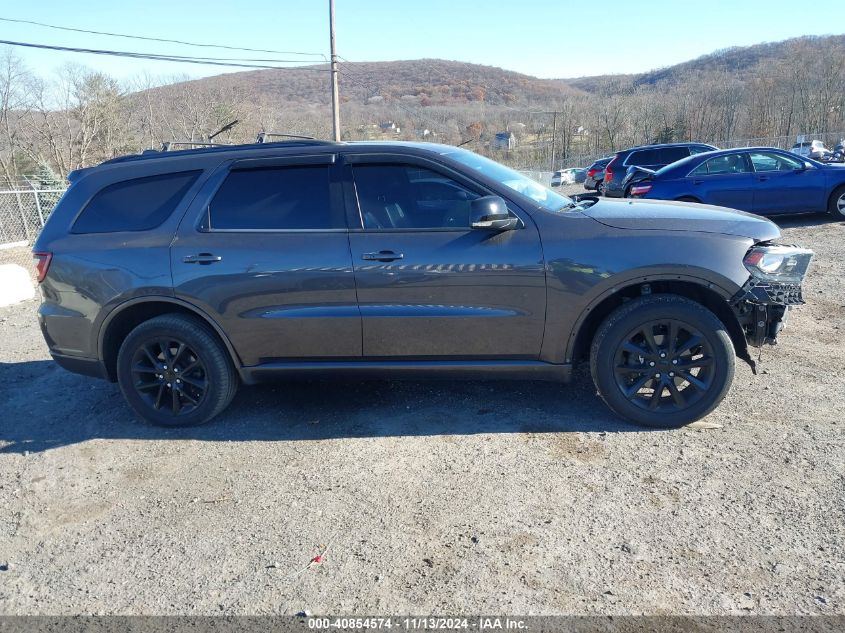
[(511, 179)]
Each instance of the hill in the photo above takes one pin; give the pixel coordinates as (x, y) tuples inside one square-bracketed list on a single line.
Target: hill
[(741, 63), (423, 81)]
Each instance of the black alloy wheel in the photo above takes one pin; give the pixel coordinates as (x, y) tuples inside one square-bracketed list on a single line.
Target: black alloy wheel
[(662, 360), (664, 365), (174, 370), (168, 374)]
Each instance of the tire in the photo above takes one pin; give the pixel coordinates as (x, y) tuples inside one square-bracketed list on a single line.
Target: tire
[(600, 188), (149, 364), (836, 205), (615, 366)]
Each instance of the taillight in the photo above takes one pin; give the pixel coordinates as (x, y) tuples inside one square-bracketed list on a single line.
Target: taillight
[(639, 190), (42, 263), (608, 170), (592, 172)]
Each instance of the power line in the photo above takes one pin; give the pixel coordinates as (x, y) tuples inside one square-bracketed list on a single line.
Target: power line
[(210, 61), (160, 39)]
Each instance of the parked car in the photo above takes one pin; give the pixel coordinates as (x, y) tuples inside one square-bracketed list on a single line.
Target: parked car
[(649, 156), (811, 149), (839, 152), (763, 180), (182, 274), (568, 177), (594, 178)]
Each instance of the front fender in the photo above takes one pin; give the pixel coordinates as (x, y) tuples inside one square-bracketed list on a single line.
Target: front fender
[(581, 273)]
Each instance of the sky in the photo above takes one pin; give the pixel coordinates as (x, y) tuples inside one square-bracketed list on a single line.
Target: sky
[(537, 37)]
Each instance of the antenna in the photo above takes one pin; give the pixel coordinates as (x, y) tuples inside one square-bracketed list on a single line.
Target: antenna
[(225, 128)]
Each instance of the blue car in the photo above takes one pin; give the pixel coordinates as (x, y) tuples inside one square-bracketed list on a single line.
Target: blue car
[(762, 180)]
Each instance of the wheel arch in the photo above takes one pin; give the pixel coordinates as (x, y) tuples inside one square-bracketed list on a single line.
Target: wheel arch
[(834, 194), (712, 297), (128, 315)]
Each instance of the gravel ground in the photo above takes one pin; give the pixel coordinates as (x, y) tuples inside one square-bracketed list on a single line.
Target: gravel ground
[(432, 497)]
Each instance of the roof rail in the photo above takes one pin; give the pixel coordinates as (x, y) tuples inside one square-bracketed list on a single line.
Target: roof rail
[(263, 136), (205, 148), (165, 147)]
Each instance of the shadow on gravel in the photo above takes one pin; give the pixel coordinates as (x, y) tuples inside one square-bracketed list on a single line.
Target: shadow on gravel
[(804, 219), (46, 407)]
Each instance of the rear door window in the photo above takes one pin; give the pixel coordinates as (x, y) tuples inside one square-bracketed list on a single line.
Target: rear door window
[(669, 155), (139, 204), (643, 157), (274, 199), (728, 164)]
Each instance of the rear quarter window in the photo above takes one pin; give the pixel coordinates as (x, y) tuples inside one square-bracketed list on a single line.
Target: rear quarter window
[(139, 204)]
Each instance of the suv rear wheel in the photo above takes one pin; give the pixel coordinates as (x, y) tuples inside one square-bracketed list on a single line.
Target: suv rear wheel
[(173, 371), (662, 361)]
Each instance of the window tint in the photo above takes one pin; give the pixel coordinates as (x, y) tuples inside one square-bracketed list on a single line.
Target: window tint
[(410, 197), (274, 198), (728, 164), (701, 170), (764, 161), (669, 155), (134, 205), (643, 157)]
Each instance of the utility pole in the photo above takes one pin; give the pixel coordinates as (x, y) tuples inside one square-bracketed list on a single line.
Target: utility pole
[(335, 96), (554, 135)]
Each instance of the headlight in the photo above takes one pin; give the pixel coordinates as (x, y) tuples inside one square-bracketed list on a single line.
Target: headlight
[(786, 264)]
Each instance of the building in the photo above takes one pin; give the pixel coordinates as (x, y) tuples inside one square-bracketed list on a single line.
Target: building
[(504, 141)]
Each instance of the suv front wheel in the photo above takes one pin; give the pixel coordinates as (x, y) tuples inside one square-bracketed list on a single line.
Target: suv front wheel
[(173, 371), (662, 361)]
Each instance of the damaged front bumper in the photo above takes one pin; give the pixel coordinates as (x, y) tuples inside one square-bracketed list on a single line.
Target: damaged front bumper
[(762, 308), (773, 287)]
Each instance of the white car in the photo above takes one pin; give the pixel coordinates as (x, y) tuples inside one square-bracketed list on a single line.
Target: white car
[(811, 149), (568, 177)]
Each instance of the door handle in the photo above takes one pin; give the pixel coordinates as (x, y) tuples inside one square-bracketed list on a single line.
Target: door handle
[(697, 182), (762, 178), (382, 256), (201, 258)]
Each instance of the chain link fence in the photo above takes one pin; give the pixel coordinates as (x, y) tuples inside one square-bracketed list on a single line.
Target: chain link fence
[(22, 216)]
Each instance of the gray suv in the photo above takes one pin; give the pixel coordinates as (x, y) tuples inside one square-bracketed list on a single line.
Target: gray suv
[(182, 274)]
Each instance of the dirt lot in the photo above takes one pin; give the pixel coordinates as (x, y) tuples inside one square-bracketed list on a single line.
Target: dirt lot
[(432, 497)]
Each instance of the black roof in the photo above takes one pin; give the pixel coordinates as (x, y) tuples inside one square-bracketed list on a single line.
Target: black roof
[(288, 144), (663, 145), (150, 157), (147, 154)]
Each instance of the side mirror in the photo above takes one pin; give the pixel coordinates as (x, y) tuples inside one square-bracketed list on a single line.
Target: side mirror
[(491, 212)]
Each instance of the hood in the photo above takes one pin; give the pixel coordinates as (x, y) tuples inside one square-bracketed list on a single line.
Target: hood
[(665, 215)]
